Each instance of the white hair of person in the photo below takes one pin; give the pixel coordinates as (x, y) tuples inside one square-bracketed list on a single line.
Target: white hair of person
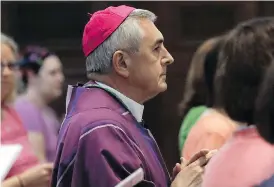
[(127, 37), (5, 39)]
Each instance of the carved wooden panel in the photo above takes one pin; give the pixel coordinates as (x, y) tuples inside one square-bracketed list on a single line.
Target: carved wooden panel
[(203, 21), (51, 20), (8, 18), (266, 8)]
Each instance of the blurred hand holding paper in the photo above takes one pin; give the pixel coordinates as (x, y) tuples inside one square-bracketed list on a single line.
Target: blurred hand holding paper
[(8, 155), (133, 179)]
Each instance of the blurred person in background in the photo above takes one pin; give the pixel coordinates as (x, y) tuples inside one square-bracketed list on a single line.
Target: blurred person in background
[(194, 99), (264, 114), (207, 126), (246, 159), (43, 77), (196, 93), (26, 171)]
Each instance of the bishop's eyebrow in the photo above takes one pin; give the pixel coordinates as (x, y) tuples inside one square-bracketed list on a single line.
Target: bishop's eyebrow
[(158, 41)]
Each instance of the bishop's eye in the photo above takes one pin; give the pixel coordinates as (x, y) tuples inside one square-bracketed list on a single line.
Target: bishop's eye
[(157, 48)]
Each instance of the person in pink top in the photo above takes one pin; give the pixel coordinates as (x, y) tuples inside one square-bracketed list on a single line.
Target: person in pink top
[(264, 114), (246, 159), (26, 171)]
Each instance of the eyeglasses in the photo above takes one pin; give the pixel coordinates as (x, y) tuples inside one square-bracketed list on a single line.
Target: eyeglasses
[(11, 66)]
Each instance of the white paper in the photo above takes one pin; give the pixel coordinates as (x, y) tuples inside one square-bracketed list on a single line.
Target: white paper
[(8, 155), (68, 97), (133, 179)]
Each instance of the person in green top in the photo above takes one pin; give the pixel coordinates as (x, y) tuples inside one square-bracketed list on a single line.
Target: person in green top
[(190, 119), (198, 94)]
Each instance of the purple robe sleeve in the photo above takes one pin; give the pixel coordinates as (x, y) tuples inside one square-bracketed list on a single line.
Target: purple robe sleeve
[(105, 156)]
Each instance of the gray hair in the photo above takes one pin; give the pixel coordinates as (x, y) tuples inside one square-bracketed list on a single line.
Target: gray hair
[(5, 39), (127, 37)]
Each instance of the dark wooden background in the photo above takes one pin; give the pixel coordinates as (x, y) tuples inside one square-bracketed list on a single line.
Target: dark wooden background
[(59, 26)]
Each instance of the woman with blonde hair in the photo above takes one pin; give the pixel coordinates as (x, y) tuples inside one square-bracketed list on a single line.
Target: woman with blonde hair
[(26, 171)]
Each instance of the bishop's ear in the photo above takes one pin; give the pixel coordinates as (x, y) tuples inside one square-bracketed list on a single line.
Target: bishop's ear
[(120, 62)]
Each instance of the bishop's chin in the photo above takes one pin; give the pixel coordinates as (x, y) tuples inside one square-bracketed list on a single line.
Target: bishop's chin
[(163, 87)]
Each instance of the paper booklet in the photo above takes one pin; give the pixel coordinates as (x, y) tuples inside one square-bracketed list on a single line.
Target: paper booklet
[(133, 179), (8, 155)]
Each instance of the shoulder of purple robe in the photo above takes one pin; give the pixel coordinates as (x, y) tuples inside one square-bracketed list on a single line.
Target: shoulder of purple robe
[(105, 156)]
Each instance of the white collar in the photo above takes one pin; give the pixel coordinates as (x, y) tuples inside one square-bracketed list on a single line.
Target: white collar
[(135, 108)]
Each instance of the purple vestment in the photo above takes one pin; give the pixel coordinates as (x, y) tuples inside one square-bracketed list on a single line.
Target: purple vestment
[(101, 143)]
